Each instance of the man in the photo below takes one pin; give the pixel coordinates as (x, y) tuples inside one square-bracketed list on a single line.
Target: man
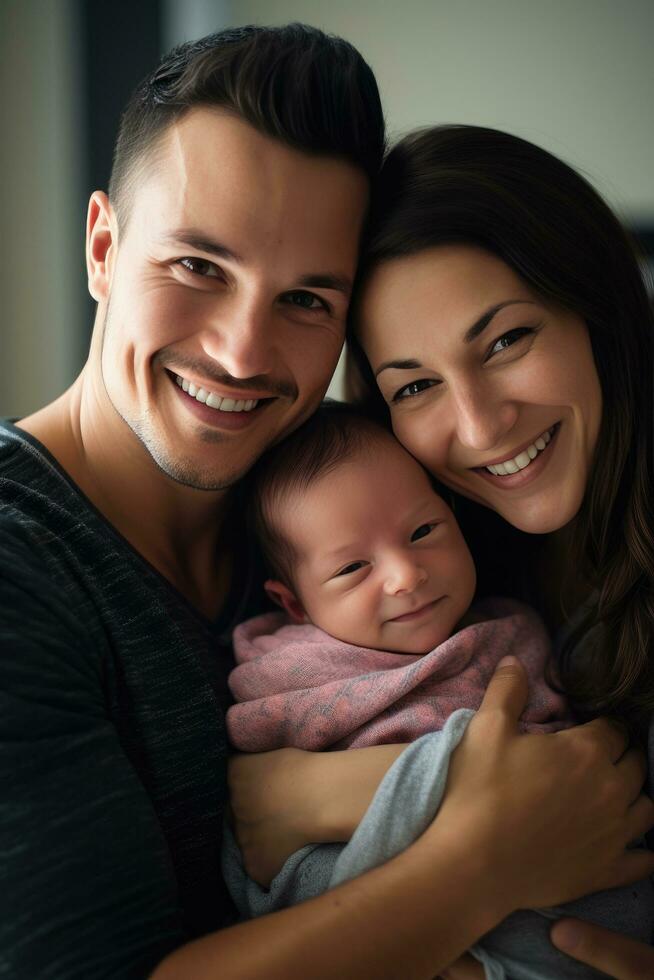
[(221, 263)]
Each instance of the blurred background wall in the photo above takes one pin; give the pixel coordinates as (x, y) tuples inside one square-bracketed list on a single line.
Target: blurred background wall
[(575, 76)]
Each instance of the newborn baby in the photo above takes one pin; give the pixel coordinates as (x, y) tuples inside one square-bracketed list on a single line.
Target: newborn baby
[(378, 643)]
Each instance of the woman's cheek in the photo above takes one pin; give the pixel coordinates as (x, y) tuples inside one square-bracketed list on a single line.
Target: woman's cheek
[(420, 437)]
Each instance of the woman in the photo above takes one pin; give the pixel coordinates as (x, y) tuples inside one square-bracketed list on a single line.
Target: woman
[(503, 326), (501, 322)]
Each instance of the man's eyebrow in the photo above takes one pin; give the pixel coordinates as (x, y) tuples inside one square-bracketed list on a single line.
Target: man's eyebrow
[(471, 334), (200, 242), (325, 281)]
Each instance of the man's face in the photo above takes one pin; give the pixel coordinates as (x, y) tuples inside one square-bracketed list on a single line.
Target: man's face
[(226, 295)]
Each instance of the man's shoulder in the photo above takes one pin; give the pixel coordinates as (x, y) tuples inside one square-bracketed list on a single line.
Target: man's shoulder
[(29, 476), (39, 508), (59, 559)]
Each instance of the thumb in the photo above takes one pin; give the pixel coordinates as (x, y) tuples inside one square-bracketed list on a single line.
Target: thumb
[(508, 690)]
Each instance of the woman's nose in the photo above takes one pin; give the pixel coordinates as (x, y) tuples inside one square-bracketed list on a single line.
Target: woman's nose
[(483, 416), (403, 574)]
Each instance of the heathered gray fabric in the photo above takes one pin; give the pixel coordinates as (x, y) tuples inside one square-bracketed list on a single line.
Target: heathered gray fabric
[(403, 807), (112, 741)]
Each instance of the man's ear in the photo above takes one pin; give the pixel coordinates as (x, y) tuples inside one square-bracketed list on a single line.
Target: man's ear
[(289, 602), (101, 241)]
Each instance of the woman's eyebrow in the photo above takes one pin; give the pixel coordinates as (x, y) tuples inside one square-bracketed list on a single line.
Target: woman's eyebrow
[(471, 334), (480, 325), (409, 365)]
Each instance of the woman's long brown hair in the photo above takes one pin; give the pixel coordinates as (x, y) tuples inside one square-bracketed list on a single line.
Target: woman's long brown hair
[(467, 184)]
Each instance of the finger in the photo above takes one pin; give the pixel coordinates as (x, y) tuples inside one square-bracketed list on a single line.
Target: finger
[(507, 690), (465, 968), (635, 864), (640, 817), (608, 732), (633, 770), (620, 957)]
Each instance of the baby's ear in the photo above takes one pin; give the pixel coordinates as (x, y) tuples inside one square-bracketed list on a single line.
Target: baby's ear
[(289, 602)]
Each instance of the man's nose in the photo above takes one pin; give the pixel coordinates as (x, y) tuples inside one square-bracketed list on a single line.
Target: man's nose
[(242, 338), (483, 415), (403, 574)]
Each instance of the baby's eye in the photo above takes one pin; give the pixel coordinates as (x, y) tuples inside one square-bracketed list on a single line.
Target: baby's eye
[(422, 531), (354, 566)]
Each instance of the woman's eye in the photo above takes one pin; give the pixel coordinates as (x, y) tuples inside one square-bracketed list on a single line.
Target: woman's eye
[(200, 267), (509, 339), (306, 301), (352, 567), (422, 531), (414, 388)]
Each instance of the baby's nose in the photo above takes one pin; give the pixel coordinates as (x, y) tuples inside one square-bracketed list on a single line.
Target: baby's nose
[(404, 575)]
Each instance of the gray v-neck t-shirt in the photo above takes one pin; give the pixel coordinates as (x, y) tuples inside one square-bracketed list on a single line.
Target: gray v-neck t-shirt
[(112, 739)]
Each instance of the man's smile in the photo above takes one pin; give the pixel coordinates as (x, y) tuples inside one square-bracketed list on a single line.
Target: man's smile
[(218, 411), (221, 403)]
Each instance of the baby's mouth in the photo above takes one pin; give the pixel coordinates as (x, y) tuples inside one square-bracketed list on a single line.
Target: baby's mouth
[(415, 613)]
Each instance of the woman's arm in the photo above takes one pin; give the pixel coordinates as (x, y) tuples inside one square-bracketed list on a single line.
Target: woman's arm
[(527, 820), (285, 799), (615, 955)]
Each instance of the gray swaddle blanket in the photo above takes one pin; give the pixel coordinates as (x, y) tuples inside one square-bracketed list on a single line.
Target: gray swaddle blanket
[(404, 805)]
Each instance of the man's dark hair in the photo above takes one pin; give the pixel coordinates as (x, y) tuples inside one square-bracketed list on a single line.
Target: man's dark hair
[(333, 435), (296, 84)]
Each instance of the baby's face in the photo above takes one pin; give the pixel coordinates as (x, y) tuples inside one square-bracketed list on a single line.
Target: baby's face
[(381, 560)]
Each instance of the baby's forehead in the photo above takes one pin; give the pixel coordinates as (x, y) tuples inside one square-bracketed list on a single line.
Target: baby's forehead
[(358, 476)]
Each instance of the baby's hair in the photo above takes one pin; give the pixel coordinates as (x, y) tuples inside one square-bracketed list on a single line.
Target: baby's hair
[(333, 435)]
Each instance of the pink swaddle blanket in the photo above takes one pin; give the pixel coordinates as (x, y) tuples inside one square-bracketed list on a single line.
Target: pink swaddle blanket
[(298, 686)]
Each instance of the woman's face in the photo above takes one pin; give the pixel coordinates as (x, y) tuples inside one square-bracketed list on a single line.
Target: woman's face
[(478, 372)]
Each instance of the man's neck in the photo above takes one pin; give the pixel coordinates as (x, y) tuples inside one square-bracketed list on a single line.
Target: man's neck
[(175, 528)]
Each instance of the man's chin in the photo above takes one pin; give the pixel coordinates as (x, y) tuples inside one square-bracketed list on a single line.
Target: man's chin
[(185, 473)]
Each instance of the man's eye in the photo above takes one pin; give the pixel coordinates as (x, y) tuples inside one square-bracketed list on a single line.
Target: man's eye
[(509, 339), (422, 531), (414, 388), (352, 567), (199, 267), (305, 300)]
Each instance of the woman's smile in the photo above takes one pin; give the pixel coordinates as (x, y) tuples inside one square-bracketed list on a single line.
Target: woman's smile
[(524, 466)]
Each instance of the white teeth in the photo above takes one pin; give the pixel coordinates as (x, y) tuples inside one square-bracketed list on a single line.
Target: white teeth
[(215, 401), (523, 459)]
